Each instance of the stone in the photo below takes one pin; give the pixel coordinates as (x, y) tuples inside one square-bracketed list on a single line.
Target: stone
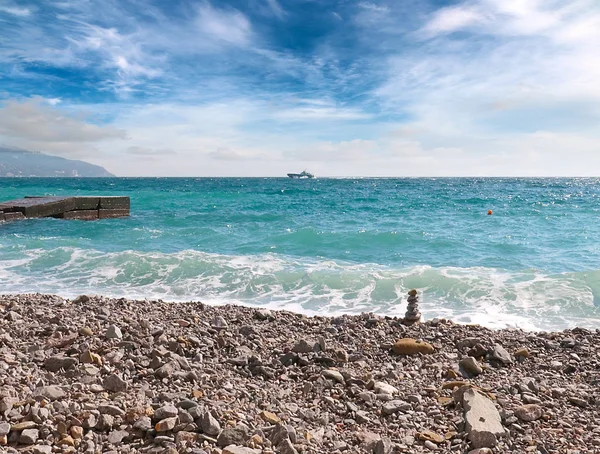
[(4, 428), (305, 346), (23, 426), (29, 436), (286, 447), (269, 417), (522, 353), (428, 435), (166, 424), (113, 213), (394, 406), (115, 202), (49, 392), (408, 346), (233, 436), (76, 432), (112, 410), (529, 412), (334, 375), (499, 354), (42, 449), (219, 323), (66, 441), (481, 451), (380, 387), (383, 446), (88, 357), (232, 449), (166, 411), (56, 363), (209, 425), (144, 424), (114, 383), (116, 436), (482, 420), (469, 367), (113, 332)]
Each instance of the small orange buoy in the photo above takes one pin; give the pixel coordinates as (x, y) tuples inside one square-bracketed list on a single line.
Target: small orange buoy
[(490, 212)]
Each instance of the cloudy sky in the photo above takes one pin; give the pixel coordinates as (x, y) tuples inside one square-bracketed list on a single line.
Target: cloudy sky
[(339, 87)]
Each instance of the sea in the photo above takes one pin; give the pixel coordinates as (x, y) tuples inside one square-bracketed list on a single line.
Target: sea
[(325, 246)]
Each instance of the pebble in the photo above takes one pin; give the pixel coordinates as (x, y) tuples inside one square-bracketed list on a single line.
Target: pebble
[(408, 346), (529, 412), (113, 332)]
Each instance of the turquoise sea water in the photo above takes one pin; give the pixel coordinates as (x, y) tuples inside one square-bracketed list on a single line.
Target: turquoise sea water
[(325, 246)]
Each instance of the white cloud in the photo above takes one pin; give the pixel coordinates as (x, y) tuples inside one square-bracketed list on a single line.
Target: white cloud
[(229, 26), (15, 10), (276, 8), (34, 124), (454, 18)]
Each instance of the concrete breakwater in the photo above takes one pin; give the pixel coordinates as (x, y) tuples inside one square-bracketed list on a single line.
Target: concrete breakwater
[(82, 208)]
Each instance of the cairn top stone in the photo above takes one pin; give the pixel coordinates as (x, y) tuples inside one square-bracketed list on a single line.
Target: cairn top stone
[(412, 292)]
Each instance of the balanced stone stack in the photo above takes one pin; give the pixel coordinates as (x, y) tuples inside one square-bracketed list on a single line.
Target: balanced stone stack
[(412, 311)]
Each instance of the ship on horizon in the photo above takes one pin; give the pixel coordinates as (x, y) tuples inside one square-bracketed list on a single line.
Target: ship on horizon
[(304, 174)]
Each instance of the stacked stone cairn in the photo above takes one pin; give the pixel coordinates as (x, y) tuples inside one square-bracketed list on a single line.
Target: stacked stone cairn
[(412, 311)]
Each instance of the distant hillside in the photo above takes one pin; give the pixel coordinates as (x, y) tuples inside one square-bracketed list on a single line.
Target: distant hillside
[(19, 163)]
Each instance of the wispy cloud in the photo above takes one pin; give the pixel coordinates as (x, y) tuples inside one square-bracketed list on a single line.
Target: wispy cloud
[(257, 87)]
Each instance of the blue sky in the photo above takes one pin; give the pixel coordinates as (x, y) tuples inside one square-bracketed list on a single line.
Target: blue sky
[(340, 87)]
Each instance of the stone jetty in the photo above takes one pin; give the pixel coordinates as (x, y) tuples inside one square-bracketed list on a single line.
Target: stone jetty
[(412, 310), (99, 375), (83, 208)]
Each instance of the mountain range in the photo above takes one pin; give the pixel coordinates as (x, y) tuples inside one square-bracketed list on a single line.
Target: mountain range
[(22, 163)]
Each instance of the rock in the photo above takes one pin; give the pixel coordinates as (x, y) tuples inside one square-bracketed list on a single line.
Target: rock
[(482, 420), (114, 383), (49, 392), (166, 411), (209, 425), (499, 355), (4, 428), (481, 451), (23, 426), (305, 346), (263, 314), (408, 346), (529, 412), (469, 367), (383, 446), (232, 449), (76, 432), (116, 436), (144, 424), (112, 410), (380, 387), (166, 424), (86, 331), (42, 449), (29, 436), (334, 375), (430, 445), (286, 447), (394, 406), (56, 363), (219, 323), (269, 417), (113, 332), (522, 353), (233, 436), (428, 435)]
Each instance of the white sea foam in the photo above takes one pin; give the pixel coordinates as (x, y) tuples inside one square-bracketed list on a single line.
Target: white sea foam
[(494, 298)]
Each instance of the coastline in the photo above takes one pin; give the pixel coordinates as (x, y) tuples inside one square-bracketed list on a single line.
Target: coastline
[(95, 374)]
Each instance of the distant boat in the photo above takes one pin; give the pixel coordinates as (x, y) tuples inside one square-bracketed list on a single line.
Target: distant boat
[(304, 174)]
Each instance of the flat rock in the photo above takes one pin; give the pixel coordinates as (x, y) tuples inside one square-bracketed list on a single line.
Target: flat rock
[(394, 406), (166, 411), (233, 436), (408, 346), (469, 367), (334, 375), (380, 387), (305, 346), (233, 449), (29, 436), (482, 420), (114, 383), (209, 424), (113, 332), (499, 354), (56, 363), (116, 436), (529, 412), (166, 424), (49, 392)]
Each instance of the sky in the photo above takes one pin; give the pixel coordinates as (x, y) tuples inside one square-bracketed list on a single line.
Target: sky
[(337, 87)]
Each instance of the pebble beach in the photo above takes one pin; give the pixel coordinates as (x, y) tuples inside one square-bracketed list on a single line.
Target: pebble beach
[(100, 375)]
